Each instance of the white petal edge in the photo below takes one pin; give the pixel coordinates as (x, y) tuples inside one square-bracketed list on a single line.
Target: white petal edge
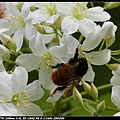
[(69, 25), (37, 46), (99, 57), (35, 90), (93, 39), (115, 95), (19, 79), (28, 61)]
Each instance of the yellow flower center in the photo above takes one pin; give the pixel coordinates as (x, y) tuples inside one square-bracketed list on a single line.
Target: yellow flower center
[(46, 58), (21, 99), (17, 22), (49, 8), (79, 10)]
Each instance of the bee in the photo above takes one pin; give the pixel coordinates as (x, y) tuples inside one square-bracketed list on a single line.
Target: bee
[(69, 74)]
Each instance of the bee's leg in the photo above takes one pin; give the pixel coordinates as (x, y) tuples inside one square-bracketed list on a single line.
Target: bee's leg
[(58, 89), (59, 64)]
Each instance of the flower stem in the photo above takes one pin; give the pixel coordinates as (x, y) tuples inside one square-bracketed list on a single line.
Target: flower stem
[(70, 111), (101, 45), (80, 38), (91, 3)]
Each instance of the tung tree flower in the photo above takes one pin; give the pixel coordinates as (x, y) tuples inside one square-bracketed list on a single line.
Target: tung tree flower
[(115, 95), (16, 96), (42, 57), (46, 12), (78, 16), (18, 24)]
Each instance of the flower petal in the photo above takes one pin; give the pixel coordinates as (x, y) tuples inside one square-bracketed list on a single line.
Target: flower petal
[(5, 86), (8, 109), (115, 80), (30, 30), (86, 26), (35, 90), (71, 42), (38, 17), (109, 30), (45, 79), (52, 19), (115, 96), (97, 14), (89, 76), (65, 8), (99, 57), (3, 30), (18, 38), (58, 51), (31, 110), (55, 97), (12, 9), (69, 25), (25, 9), (28, 61), (93, 39), (37, 46), (19, 79), (117, 114)]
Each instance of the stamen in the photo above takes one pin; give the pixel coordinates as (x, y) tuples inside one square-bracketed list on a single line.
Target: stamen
[(79, 10), (21, 99), (49, 8)]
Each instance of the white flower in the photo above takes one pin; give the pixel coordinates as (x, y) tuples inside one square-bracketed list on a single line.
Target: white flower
[(42, 57), (46, 12), (18, 24), (109, 30), (78, 16), (115, 95), (17, 96), (108, 33), (115, 78)]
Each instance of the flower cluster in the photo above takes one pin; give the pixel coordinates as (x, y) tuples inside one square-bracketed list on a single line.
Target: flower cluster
[(36, 35)]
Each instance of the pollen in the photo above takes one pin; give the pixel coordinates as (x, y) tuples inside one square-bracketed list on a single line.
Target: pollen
[(49, 8), (79, 10), (16, 22), (47, 59), (21, 99)]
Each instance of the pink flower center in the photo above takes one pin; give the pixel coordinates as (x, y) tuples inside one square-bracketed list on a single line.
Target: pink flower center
[(2, 10)]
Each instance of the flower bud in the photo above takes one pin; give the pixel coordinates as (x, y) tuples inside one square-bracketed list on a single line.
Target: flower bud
[(86, 87), (58, 22), (8, 41), (19, 5), (113, 66), (94, 91), (101, 106), (4, 52), (110, 41), (40, 28), (111, 5), (77, 97)]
